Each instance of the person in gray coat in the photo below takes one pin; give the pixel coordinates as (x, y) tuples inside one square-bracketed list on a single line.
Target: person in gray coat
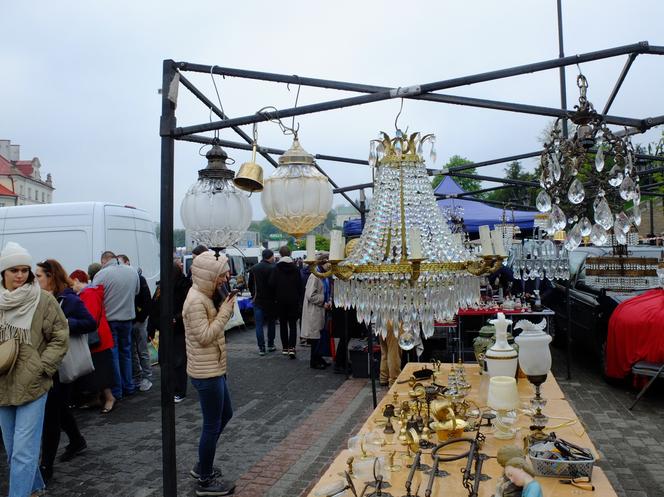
[(121, 285)]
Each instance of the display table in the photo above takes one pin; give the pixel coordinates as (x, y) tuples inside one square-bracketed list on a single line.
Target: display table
[(558, 410)]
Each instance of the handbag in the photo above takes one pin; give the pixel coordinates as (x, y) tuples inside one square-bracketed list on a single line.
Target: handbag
[(8, 355), (78, 360)]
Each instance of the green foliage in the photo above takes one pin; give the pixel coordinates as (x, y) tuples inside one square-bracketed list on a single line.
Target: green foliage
[(515, 194), (322, 244), (467, 184)]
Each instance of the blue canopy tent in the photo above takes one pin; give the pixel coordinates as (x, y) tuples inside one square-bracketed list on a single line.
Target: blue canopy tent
[(476, 214)]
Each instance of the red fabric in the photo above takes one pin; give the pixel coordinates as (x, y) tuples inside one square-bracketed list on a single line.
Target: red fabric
[(636, 333), (93, 298)]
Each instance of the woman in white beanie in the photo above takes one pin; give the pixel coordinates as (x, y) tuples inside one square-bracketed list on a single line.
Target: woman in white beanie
[(206, 364), (33, 318)]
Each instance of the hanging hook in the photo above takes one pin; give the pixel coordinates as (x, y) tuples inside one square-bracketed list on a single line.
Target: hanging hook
[(297, 98), (396, 119)]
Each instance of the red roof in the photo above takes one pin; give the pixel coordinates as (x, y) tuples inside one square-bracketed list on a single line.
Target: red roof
[(5, 166), (24, 167), (6, 191)]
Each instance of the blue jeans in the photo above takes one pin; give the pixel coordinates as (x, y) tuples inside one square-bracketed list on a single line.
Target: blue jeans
[(122, 358), (21, 434), (260, 318), (217, 411)]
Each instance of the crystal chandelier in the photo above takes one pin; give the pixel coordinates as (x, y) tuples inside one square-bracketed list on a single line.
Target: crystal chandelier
[(538, 258), (593, 163), (407, 270), (214, 212)]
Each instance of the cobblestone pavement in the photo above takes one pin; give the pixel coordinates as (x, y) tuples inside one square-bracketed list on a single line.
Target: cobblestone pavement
[(290, 422), (631, 443)]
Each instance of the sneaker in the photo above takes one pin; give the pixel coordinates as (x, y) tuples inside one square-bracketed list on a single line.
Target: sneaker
[(285, 351), (271, 348), (195, 472), (145, 385), (72, 450), (177, 399), (214, 486), (261, 351), (291, 354)]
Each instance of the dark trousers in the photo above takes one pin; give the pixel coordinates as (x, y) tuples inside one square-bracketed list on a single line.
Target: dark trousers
[(217, 411), (180, 365), (58, 416), (288, 331), (316, 357)]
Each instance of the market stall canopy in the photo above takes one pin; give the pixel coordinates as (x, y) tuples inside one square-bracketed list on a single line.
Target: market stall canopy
[(476, 214)]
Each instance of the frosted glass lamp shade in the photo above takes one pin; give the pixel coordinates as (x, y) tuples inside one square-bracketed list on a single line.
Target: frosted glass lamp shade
[(297, 197), (215, 213), (534, 352), (503, 393)]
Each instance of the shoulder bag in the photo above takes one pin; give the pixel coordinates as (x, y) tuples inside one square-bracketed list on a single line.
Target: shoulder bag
[(77, 361), (8, 355)]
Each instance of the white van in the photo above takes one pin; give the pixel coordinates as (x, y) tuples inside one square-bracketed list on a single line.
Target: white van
[(76, 234)]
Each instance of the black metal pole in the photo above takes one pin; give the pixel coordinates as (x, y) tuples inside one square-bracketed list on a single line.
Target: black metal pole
[(568, 304), (621, 79), (651, 206), (561, 55), (372, 373), (166, 288)]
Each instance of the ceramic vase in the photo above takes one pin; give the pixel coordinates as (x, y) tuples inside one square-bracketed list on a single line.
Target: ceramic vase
[(482, 343), (501, 358)]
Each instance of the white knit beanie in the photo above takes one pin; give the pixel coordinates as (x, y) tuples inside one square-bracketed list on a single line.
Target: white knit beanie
[(14, 255)]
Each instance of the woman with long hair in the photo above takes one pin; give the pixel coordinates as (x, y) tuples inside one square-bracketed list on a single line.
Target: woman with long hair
[(53, 278), (101, 379), (34, 319), (206, 364)]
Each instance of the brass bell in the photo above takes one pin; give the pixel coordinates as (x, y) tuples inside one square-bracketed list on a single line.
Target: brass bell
[(250, 176)]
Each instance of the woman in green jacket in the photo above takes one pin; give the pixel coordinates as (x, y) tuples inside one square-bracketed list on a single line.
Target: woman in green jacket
[(34, 318)]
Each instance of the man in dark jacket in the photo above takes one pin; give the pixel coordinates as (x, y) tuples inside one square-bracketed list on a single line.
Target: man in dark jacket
[(141, 367), (263, 299), (286, 283)]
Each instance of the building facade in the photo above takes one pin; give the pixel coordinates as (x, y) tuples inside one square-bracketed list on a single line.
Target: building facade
[(20, 180)]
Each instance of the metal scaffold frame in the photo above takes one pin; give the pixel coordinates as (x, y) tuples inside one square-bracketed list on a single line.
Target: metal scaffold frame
[(174, 76)]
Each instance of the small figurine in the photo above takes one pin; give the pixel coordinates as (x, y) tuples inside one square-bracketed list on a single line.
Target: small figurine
[(505, 487), (521, 473)]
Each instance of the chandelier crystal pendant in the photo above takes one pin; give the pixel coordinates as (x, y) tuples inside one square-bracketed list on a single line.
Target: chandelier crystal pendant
[(297, 197), (594, 163), (214, 212), (407, 270)]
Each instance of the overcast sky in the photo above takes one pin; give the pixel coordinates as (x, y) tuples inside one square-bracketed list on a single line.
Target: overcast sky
[(80, 79)]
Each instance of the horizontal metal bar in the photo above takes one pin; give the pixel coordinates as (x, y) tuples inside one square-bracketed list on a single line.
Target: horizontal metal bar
[(353, 187), (655, 50), (651, 122), (413, 91), (491, 202), (495, 180), (431, 97), (652, 185), (483, 190)]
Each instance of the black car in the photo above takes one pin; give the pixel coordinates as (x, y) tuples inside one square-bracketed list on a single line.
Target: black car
[(590, 306)]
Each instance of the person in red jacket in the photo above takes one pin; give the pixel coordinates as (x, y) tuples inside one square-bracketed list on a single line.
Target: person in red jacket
[(101, 343)]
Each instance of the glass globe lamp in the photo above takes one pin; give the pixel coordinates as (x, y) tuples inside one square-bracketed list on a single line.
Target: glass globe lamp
[(535, 362), (214, 211), (297, 197)]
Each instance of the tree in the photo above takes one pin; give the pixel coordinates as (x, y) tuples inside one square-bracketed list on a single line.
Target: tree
[(515, 194), (468, 184), (322, 243)]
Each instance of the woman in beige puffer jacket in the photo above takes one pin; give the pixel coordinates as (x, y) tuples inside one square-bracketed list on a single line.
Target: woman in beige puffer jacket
[(206, 363)]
